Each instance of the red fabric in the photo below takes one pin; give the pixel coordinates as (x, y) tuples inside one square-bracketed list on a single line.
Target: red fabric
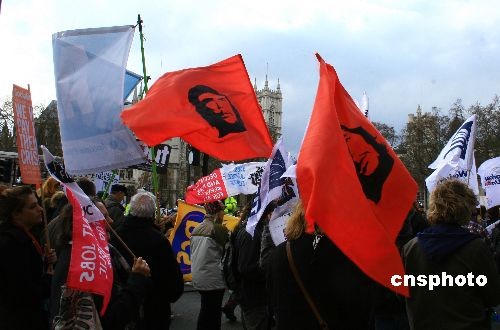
[(166, 112), (207, 189), (364, 228), (90, 267)]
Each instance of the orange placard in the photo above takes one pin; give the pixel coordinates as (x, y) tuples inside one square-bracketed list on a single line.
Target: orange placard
[(27, 147)]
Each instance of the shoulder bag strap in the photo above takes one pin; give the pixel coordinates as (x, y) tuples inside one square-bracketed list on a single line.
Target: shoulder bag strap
[(310, 302)]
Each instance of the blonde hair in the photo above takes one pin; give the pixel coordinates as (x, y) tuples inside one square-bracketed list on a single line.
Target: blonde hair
[(296, 225), (452, 202), (49, 187)]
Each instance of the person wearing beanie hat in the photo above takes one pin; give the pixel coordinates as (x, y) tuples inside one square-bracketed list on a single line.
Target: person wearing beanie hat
[(207, 247)]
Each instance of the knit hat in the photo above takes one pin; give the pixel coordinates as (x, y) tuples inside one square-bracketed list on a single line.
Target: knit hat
[(214, 207)]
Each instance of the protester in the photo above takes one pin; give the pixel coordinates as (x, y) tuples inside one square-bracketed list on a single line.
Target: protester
[(57, 202), (389, 307), (207, 247), (130, 286), (252, 294), (448, 248), (113, 203), (49, 188), (23, 270), (57, 227), (141, 235), (341, 292)]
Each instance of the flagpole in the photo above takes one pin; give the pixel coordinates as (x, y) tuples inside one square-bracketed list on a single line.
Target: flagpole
[(152, 149)]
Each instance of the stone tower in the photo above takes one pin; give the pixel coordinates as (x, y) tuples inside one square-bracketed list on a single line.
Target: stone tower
[(271, 104)]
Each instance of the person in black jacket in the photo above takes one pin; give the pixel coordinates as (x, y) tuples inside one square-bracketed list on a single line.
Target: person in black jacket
[(141, 235), (25, 280), (113, 203), (342, 293)]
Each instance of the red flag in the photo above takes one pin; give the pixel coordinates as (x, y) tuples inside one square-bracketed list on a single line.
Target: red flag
[(207, 189), (90, 268), (352, 184), (213, 108)]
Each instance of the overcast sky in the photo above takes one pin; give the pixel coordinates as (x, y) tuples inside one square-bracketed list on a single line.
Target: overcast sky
[(402, 53)]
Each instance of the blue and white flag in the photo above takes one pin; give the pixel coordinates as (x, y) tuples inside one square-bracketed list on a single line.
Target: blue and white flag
[(130, 83), (490, 180), (456, 160), (460, 148), (272, 185), (89, 69)]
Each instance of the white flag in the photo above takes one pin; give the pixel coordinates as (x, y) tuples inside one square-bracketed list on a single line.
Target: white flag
[(89, 69), (460, 148), (454, 171), (456, 160), (490, 180), (272, 184)]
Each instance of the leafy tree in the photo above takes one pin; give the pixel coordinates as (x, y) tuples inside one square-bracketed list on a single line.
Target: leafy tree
[(487, 131), (388, 132), (422, 139)]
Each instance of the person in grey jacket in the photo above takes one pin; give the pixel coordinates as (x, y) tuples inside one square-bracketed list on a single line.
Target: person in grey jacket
[(207, 248)]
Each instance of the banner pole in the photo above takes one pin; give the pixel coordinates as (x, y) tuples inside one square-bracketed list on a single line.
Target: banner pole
[(152, 149)]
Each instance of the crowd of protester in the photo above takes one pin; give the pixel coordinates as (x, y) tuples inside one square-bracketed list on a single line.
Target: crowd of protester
[(307, 282)]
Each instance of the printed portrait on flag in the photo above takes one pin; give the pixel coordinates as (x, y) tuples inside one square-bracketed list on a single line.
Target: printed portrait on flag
[(216, 109), (371, 159)]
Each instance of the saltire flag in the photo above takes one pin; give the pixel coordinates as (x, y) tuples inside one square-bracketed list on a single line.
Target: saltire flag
[(130, 82), (456, 160), (213, 108), (230, 180), (89, 69), (272, 185), (352, 184), (188, 218), (490, 180), (90, 267)]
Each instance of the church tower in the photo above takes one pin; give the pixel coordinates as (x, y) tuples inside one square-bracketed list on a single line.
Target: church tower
[(271, 104)]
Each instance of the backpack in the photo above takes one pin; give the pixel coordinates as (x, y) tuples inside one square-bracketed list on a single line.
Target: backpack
[(77, 311)]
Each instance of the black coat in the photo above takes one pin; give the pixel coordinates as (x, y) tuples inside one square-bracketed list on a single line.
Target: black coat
[(25, 285), (146, 241), (340, 290)]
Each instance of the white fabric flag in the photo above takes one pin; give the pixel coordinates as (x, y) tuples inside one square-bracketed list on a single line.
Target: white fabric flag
[(490, 180), (454, 171), (456, 160), (460, 148), (89, 69), (272, 184)]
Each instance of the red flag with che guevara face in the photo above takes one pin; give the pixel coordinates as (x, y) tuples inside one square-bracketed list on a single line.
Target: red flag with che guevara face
[(352, 184), (213, 108)]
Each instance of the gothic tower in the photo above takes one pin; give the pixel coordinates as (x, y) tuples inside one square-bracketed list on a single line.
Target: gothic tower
[(271, 104)]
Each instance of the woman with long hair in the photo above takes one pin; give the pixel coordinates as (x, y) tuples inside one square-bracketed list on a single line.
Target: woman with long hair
[(341, 292), (23, 270)]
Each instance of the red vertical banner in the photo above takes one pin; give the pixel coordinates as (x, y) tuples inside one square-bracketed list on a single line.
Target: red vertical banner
[(27, 147)]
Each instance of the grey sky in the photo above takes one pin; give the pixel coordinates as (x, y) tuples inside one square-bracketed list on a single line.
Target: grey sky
[(402, 53)]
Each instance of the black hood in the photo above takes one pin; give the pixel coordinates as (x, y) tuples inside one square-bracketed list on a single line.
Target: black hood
[(439, 241)]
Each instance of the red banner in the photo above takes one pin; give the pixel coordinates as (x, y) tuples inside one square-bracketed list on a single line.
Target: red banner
[(209, 188), (213, 108), (27, 147), (90, 267)]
